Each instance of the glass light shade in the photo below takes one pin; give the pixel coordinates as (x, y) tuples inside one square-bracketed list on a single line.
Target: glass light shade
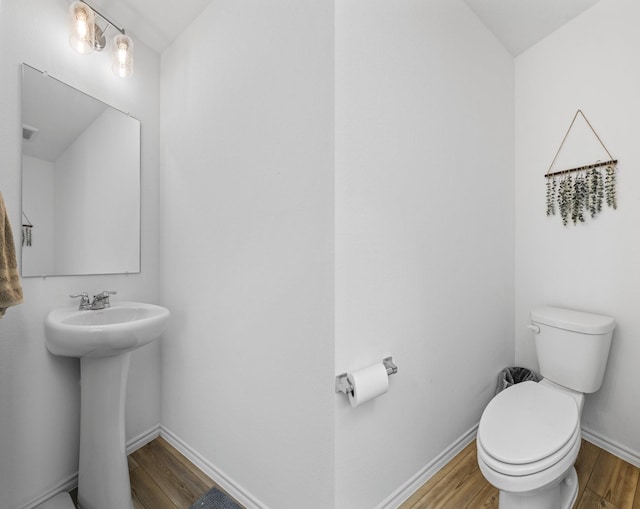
[(82, 28), (122, 56)]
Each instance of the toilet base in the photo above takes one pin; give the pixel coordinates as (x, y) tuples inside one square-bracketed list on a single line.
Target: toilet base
[(560, 496)]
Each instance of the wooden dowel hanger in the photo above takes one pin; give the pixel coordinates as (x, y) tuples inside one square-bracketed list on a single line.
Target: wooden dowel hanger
[(612, 162)]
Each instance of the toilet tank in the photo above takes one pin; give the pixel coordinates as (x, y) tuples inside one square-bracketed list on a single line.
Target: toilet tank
[(572, 346)]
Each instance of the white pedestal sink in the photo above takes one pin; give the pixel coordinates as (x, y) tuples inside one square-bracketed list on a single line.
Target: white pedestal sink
[(103, 340)]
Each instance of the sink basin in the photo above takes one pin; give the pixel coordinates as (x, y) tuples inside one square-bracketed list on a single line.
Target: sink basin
[(102, 333)]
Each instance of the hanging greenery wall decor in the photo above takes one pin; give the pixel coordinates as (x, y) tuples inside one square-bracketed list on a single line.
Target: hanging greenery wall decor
[(578, 197), (578, 192)]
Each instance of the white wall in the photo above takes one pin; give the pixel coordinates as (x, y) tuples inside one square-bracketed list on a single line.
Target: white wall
[(39, 398), (589, 64), (104, 159), (424, 232), (247, 243), (37, 203)]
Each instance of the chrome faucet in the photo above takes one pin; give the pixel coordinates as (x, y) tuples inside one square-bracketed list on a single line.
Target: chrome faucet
[(85, 304), (100, 301)]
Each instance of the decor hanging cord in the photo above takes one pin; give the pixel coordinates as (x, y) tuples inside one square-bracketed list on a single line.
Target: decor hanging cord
[(27, 234), (611, 162), (28, 223)]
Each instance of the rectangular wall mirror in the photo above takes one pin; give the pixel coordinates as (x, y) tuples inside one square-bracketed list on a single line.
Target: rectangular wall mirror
[(80, 182)]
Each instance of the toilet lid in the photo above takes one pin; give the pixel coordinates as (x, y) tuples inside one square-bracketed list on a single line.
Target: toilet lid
[(527, 423)]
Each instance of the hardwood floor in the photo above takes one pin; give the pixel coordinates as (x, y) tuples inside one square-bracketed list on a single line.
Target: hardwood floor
[(162, 478), (606, 482)]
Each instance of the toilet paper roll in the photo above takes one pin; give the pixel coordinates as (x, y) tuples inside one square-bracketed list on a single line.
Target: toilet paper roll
[(368, 383)]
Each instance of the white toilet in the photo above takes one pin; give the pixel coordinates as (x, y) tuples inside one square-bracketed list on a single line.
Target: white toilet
[(529, 434)]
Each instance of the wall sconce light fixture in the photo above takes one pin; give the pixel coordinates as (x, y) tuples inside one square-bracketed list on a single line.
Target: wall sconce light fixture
[(85, 35)]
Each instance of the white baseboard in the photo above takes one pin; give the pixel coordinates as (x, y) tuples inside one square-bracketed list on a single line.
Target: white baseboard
[(611, 446), (71, 482), (66, 484), (428, 471), (224, 481), (143, 439)]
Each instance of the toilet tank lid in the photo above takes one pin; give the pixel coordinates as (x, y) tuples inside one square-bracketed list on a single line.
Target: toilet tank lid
[(577, 321)]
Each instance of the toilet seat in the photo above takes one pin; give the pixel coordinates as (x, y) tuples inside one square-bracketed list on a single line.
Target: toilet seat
[(527, 429), (553, 475), (525, 469)]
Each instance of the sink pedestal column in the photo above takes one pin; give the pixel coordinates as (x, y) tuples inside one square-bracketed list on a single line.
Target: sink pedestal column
[(103, 478)]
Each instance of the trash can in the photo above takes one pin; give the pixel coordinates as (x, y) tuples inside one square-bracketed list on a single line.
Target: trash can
[(515, 375)]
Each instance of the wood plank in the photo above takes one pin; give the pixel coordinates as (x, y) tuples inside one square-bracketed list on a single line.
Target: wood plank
[(136, 503), (437, 496), (585, 463), (438, 476), (614, 480), (487, 498), (146, 493), (132, 463), (177, 482), (591, 500), (466, 491), (636, 498), (206, 480)]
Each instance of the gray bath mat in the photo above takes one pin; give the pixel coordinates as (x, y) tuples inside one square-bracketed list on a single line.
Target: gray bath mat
[(215, 499)]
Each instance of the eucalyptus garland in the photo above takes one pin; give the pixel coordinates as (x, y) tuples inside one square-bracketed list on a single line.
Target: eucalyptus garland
[(574, 197), (580, 196), (596, 192), (565, 198), (551, 202), (610, 187)]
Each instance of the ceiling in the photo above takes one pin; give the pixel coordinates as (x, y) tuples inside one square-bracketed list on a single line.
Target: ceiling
[(156, 23), (58, 112), (518, 24)]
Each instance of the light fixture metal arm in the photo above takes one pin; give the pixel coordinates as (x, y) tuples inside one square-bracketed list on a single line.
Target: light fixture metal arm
[(111, 23)]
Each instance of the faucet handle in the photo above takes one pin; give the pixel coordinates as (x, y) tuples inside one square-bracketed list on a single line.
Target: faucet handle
[(104, 296), (84, 299)]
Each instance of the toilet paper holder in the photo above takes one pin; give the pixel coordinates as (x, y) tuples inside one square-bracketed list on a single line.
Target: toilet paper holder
[(342, 382)]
